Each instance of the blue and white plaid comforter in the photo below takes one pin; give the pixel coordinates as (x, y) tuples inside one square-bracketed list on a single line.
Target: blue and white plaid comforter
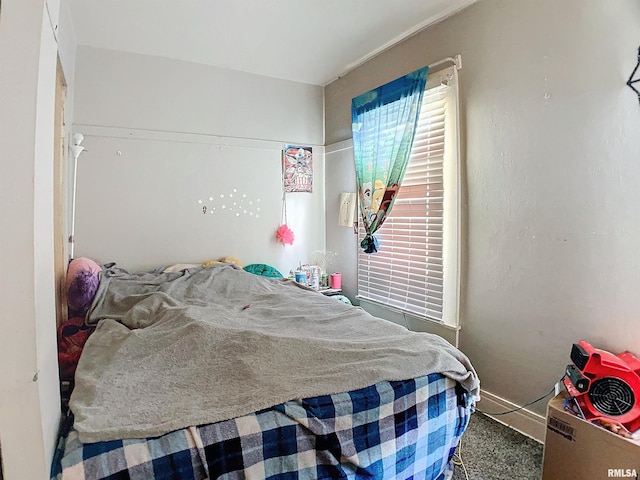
[(391, 430)]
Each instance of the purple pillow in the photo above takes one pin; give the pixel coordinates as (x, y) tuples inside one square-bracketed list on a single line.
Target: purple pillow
[(83, 279)]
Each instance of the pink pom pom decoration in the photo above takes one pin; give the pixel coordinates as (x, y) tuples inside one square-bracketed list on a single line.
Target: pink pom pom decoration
[(285, 235)]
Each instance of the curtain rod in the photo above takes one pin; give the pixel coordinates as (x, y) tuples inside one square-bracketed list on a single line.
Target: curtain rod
[(457, 61)]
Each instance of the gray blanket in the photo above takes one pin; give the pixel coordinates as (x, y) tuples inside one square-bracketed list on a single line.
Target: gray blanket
[(209, 344)]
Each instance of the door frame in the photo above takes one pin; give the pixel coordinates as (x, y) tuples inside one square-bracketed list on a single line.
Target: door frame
[(60, 197)]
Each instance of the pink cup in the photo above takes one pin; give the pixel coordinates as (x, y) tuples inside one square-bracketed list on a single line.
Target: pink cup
[(336, 280)]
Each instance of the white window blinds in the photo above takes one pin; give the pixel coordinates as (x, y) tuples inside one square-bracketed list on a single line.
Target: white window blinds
[(416, 267)]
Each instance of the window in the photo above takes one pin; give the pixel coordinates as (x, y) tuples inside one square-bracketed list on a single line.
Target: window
[(416, 267)]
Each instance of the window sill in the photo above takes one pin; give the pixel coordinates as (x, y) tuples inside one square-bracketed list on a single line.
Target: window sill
[(403, 315)]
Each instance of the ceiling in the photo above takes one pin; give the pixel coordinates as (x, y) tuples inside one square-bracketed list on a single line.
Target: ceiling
[(308, 41)]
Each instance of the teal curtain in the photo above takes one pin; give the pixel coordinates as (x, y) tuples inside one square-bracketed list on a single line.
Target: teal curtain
[(384, 124)]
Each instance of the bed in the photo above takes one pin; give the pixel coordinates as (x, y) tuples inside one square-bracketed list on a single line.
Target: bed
[(214, 372)]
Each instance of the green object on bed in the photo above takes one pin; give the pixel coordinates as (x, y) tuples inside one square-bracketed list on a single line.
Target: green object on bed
[(263, 270), (342, 299)]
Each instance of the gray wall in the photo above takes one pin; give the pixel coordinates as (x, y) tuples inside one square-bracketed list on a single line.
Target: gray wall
[(551, 248), (163, 134)]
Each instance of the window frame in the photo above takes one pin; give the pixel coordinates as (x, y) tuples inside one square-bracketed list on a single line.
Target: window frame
[(451, 220)]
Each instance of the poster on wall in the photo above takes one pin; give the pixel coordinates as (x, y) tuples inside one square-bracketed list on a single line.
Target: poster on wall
[(297, 169)]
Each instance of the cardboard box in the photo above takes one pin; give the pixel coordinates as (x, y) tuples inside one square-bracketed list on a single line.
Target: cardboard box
[(577, 449)]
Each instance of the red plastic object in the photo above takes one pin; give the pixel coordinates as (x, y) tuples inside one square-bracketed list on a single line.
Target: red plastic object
[(605, 386)]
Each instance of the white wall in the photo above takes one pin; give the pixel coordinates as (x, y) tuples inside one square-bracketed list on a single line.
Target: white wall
[(67, 55), (552, 228), (65, 34), (163, 134), (341, 177), (29, 398)]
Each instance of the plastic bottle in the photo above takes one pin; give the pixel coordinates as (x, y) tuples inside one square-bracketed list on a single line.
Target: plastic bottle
[(314, 280)]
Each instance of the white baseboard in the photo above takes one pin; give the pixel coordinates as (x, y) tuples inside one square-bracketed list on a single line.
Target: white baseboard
[(524, 421)]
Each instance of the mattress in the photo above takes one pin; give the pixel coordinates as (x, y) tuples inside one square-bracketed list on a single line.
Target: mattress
[(216, 373), (391, 430)]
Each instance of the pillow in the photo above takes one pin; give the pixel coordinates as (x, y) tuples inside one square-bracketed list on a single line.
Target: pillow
[(263, 270), (83, 279), (342, 299), (210, 262), (233, 260)]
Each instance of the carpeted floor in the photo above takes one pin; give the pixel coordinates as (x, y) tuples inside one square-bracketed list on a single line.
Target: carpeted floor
[(492, 451)]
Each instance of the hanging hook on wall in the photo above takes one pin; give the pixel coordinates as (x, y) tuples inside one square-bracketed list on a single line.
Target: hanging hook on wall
[(631, 80)]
